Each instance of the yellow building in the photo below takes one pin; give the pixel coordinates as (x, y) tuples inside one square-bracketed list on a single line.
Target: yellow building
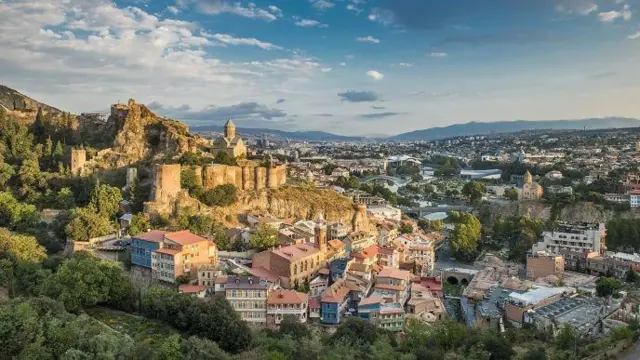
[(231, 144), (531, 190)]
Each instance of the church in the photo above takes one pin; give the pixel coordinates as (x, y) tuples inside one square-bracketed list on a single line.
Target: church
[(230, 143), (531, 190)]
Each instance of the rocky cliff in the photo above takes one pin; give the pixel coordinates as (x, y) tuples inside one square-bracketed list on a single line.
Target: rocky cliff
[(576, 212), (22, 106), (138, 133)]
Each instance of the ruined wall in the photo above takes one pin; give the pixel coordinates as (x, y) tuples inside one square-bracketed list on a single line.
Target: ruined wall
[(78, 161), (360, 220), (166, 184)]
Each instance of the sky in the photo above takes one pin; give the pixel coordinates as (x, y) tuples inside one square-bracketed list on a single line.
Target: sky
[(352, 67)]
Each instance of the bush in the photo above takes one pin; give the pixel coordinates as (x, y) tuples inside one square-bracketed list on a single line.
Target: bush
[(221, 195)]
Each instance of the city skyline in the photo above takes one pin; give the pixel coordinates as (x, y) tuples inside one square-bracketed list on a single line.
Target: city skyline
[(351, 67)]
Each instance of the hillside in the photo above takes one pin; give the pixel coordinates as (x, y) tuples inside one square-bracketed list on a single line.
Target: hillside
[(13, 100), (485, 128)]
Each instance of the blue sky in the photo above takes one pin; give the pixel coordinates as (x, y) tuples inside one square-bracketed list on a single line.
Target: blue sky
[(364, 67)]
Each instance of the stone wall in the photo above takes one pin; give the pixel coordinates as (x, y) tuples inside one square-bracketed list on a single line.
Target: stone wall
[(243, 177), (78, 161), (166, 184)]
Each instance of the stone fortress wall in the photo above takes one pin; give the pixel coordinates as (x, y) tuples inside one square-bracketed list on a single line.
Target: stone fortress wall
[(245, 177)]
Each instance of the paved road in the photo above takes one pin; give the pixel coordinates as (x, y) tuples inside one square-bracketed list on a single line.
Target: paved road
[(445, 260)]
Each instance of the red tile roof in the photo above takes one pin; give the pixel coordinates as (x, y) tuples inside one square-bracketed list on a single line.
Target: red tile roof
[(314, 303), (152, 236), (168, 251), (395, 273), (296, 252), (191, 289), (336, 292), (367, 252), (185, 237), (371, 300), (287, 297)]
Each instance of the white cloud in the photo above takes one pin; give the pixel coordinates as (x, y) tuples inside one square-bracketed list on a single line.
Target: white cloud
[(343, 64), (251, 11), (326, 70), (309, 23), (610, 16), (437, 54), (404, 64), (275, 10), (382, 16), (369, 39), (82, 55), (352, 7), (230, 40), (580, 7), (172, 9), (375, 75), (322, 4), (634, 36)]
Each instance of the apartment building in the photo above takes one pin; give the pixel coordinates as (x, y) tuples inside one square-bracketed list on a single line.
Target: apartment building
[(181, 253), (248, 296), (423, 254), (394, 284), (207, 275), (584, 237), (281, 303), (542, 263)]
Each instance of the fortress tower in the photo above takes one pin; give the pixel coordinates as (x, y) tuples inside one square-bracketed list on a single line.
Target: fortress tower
[(78, 161)]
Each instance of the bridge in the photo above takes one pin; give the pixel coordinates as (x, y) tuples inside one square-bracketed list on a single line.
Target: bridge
[(398, 181), (458, 276), (424, 210)]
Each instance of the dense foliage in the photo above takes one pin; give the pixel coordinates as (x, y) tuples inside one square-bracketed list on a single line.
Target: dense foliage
[(518, 234), (623, 234), (264, 237), (465, 237), (221, 195), (474, 190)]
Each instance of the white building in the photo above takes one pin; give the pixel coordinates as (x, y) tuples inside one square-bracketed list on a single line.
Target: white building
[(387, 212), (573, 237), (554, 175)]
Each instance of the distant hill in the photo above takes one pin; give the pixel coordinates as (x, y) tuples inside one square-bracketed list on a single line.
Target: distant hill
[(485, 128), (293, 135), (13, 100)]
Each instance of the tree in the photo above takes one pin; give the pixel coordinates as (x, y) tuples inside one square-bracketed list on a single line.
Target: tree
[(534, 353), (465, 237), (291, 326), (431, 225), (221, 195), (189, 179), (138, 224), (106, 200), (39, 128), (64, 199), (631, 276), (6, 172), (354, 331), (86, 224), (195, 348), (511, 194), (566, 338), (607, 286), (20, 247), (264, 237), (16, 215), (86, 281), (406, 228), (474, 190)]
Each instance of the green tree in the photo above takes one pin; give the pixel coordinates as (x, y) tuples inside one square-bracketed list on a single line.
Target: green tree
[(21, 247), (6, 172), (221, 195), (86, 223), (511, 194), (607, 286), (195, 348), (534, 353), (566, 338), (406, 228), (291, 326), (65, 199), (465, 237), (264, 237), (631, 276), (106, 200), (138, 224), (16, 215), (189, 179), (474, 190)]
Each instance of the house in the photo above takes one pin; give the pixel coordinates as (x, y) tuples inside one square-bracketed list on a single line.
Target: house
[(336, 250), (359, 240), (296, 263), (424, 306), (423, 255), (389, 256), (281, 303), (248, 296), (220, 285), (318, 285), (207, 275), (293, 236), (338, 230), (367, 257), (314, 308), (386, 232), (143, 245), (255, 220), (339, 268), (181, 253), (194, 290), (388, 316), (125, 220), (339, 171), (395, 283), (385, 212), (542, 264), (334, 302)]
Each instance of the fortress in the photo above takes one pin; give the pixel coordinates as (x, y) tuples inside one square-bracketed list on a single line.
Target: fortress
[(247, 176)]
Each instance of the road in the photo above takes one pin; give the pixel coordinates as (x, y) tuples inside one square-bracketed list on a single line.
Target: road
[(445, 259)]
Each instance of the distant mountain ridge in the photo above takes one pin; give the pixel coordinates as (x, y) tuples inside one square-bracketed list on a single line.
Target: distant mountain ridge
[(293, 135), (485, 128)]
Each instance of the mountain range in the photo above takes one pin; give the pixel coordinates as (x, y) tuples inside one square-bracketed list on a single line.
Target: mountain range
[(11, 99)]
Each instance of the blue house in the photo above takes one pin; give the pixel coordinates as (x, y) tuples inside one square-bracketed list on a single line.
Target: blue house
[(382, 314), (334, 302), (368, 308), (143, 245), (339, 269)]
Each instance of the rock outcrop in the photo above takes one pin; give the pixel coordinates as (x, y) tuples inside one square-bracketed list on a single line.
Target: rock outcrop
[(138, 133)]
